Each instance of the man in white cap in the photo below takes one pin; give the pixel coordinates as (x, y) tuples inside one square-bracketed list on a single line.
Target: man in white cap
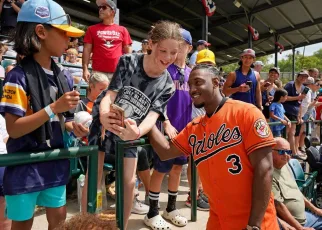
[(106, 40), (258, 66), (244, 83)]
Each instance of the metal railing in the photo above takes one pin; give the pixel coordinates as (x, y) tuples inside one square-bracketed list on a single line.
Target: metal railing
[(120, 147), (5, 57), (56, 154)]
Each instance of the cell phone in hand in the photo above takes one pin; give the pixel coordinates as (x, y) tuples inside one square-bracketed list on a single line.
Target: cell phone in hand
[(305, 90), (249, 83), (267, 84), (119, 113)]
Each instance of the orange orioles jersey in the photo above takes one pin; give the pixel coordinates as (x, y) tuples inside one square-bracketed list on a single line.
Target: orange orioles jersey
[(220, 146)]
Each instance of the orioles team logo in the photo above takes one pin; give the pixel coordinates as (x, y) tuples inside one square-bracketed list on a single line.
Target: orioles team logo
[(261, 128), (208, 146)]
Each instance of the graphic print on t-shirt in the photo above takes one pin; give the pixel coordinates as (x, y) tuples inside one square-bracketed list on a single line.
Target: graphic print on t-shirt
[(135, 103), (108, 36)]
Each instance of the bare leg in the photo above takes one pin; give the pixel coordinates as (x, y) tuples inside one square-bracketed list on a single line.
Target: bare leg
[(291, 138), (22, 225), (5, 223), (129, 184), (145, 177), (101, 156), (174, 177), (55, 216)]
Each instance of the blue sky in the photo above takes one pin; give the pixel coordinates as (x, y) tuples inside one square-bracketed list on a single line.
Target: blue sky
[(309, 50)]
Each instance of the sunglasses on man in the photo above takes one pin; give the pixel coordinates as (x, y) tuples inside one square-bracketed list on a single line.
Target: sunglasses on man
[(283, 151), (104, 7)]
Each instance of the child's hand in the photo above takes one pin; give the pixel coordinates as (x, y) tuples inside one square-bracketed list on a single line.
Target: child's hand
[(66, 102), (129, 133), (243, 88), (109, 119), (79, 130), (284, 122), (170, 130)]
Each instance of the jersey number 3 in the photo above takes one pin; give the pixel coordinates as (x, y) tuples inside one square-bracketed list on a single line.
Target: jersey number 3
[(235, 160)]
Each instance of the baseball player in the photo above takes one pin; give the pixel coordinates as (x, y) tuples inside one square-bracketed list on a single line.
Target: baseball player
[(232, 149)]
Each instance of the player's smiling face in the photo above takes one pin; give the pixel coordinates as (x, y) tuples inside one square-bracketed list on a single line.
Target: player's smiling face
[(202, 86), (165, 53)]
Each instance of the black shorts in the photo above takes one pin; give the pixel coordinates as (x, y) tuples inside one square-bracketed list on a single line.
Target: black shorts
[(145, 157), (266, 111)]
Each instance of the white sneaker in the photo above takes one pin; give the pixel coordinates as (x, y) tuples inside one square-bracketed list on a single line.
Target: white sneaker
[(138, 207)]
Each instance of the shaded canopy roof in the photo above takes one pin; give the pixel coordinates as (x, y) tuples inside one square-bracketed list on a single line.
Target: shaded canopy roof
[(296, 22)]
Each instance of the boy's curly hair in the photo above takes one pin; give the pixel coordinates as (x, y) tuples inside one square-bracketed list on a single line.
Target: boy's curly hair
[(103, 221)]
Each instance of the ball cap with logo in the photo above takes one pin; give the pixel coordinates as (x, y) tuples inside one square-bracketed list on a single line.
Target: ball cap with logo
[(205, 56), (249, 52), (48, 12)]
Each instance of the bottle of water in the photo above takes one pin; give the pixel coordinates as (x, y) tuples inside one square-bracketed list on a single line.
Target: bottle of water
[(80, 185), (99, 201)]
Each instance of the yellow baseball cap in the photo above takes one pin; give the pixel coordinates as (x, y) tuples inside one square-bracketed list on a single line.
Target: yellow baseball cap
[(206, 56)]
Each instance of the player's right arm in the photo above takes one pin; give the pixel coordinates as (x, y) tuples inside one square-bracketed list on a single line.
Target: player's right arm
[(165, 149), (227, 90)]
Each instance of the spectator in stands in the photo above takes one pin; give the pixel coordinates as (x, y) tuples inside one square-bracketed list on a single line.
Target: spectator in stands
[(268, 89), (34, 122), (145, 46), (5, 223), (205, 56), (178, 116), (292, 107), (316, 132), (201, 45), (277, 113), (9, 10), (244, 83), (290, 203), (97, 83), (258, 66), (146, 79), (3, 50), (106, 40), (308, 109), (71, 59), (314, 72)]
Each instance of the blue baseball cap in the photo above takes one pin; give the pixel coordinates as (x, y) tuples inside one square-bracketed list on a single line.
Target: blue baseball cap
[(186, 36), (48, 12), (203, 42)]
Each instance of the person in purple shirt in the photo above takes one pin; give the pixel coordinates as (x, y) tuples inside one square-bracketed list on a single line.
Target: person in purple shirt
[(178, 116)]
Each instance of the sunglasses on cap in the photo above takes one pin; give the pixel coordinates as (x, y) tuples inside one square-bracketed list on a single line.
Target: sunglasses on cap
[(104, 7), (67, 20), (283, 151)]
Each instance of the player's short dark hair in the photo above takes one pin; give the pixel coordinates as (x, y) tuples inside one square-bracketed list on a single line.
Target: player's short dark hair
[(278, 94), (210, 68), (26, 41)]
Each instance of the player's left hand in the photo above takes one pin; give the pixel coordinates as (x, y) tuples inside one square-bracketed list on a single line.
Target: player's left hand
[(79, 130), (129, 133)]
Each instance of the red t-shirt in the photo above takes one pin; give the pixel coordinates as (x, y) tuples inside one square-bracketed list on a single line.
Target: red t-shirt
[(318, 110), (108, 42)]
